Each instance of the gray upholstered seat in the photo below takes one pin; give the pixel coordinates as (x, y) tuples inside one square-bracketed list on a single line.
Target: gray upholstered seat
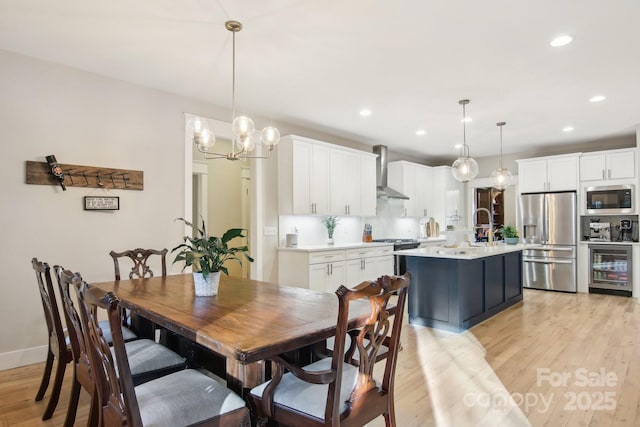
[(147, 356), (309, 398), (184, 398), (127, 333)]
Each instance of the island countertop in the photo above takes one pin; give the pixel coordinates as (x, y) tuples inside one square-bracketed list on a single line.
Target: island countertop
[(462, 253)]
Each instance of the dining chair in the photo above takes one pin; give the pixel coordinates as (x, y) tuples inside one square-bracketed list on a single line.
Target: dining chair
[(58, 347), (332, 392), (140, 269), (183, 398), (148, 359), (139, 257)]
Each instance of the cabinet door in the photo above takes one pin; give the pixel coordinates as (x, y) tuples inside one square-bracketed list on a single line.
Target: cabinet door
[(592, 167), (562, 174), (384, 266), (621, 165), (336, 276), (423, 191), (345, 183), (367, 186), (402, 177), (318, 276), (532, 176), (301, 178), (353, 272), (319, 179)]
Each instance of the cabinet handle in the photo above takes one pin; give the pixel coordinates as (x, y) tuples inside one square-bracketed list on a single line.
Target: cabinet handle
[(331, 268), (328, 269), (425, 212), (349, 209), (405, 211), (346, 209), (609, 173), (603, 174)]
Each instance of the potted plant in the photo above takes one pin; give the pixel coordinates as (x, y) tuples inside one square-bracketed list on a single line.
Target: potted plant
[(330, 223), (206, 256), (511, 235)]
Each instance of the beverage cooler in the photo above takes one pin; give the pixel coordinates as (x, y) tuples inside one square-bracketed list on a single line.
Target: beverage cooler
[(610, 269)]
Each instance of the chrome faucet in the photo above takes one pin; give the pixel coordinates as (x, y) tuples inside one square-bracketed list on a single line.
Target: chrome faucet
[(490, 222)]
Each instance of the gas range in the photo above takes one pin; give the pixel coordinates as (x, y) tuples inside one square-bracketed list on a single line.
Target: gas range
[(400, 244)]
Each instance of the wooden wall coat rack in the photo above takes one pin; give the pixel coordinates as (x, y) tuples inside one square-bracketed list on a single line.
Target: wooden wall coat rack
[(86, 176)]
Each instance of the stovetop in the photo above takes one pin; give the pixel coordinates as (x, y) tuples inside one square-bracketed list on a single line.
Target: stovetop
[(395, 240)]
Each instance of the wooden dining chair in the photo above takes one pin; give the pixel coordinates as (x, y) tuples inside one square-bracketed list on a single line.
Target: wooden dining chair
[(184, 398), (140, 269), (149, 360), (332, 392), (139, 257), (57, 345)]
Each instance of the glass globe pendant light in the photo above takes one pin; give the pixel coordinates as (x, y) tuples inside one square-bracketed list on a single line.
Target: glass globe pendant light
[(243, 128), (464, 168), (501, 178)]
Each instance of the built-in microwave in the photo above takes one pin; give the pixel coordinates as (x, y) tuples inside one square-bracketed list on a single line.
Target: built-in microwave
[(610, 199)]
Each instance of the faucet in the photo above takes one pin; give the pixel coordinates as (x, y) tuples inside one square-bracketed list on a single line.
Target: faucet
[(490, 222)]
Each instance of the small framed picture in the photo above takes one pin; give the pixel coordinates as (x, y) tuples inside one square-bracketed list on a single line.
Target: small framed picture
[(93, 203)]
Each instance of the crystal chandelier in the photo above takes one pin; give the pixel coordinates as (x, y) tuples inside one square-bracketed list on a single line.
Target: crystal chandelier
[(244, 138), (464, 168), (501, 178)]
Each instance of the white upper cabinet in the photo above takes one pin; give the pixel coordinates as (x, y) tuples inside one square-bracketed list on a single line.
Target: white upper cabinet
[(554, 173), (447, 196), (303, 177), (614, 164), (316, 178), (414, 181)]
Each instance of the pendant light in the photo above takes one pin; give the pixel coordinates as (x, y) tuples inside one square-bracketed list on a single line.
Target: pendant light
[(501, 178), (244, 140), (464, 168)]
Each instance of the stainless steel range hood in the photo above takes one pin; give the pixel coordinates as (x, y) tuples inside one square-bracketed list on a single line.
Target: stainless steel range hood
[(383, 190)]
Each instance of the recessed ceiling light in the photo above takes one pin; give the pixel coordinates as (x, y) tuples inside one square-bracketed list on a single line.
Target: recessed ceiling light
[(567, 129), (597, 98), (561, 40), (421, 132), (365, 112)]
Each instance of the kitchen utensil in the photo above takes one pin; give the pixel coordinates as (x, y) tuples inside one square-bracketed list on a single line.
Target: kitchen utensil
[(433, 228)]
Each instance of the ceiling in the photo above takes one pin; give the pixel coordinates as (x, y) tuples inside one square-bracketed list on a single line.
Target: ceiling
[(317, 63)]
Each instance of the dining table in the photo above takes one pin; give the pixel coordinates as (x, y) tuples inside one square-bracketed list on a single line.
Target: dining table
[(247, 322)]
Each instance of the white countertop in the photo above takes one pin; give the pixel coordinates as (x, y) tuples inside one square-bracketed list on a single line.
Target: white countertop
[(466, 253), (337, 246)]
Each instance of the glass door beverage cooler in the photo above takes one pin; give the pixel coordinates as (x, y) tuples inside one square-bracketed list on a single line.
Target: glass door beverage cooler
[(610, 269)]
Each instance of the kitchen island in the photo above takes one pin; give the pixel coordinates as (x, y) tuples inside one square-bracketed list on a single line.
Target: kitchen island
[(456, 288)]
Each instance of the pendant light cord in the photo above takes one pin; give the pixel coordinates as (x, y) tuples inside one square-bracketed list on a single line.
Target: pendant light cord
[(233, 78)]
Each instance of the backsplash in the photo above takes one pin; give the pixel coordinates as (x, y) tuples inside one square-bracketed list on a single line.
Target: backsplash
[(387, 224)]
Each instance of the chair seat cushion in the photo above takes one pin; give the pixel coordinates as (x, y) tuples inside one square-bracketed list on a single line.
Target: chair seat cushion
[(149, 356), (127, 334), (184, 398), (308, 398)]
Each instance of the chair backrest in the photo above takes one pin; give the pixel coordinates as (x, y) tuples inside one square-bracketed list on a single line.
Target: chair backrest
[(139, 257), (382, 327), (50, 306), (114, 384), (68, 283)]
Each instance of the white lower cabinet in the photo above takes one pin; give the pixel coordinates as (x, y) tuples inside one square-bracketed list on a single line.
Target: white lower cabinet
[(326, 270)]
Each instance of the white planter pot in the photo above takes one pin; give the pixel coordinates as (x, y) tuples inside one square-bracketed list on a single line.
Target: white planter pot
[(206, 287)]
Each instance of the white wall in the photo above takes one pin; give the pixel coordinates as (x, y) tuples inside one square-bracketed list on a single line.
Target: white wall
[(83, 118)]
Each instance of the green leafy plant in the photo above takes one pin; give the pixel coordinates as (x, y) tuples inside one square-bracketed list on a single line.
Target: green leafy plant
[(510, 231), (330, 223), (207, 254)]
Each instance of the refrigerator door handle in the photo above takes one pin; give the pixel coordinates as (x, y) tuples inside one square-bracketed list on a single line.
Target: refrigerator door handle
[(545, 219), (560, 248), (548, 261)]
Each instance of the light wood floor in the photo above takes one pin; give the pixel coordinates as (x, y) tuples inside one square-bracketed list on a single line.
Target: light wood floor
[(554, 360)]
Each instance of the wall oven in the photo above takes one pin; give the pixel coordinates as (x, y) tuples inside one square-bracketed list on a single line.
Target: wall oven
[(611, 199), (610, 269)]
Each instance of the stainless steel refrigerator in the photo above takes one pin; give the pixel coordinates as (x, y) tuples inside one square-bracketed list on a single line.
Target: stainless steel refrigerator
[(549, 226)]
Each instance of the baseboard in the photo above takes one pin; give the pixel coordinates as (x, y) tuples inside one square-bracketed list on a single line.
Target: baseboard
[(24, 357)]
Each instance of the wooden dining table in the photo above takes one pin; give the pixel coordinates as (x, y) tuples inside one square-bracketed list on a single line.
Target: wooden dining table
[(248, 322)]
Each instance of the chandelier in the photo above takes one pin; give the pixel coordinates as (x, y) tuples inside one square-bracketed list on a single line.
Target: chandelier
[(464, 168), (501, 178), (243, 129)]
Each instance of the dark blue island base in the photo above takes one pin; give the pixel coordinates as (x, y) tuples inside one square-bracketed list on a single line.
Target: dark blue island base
[(455, 294)]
